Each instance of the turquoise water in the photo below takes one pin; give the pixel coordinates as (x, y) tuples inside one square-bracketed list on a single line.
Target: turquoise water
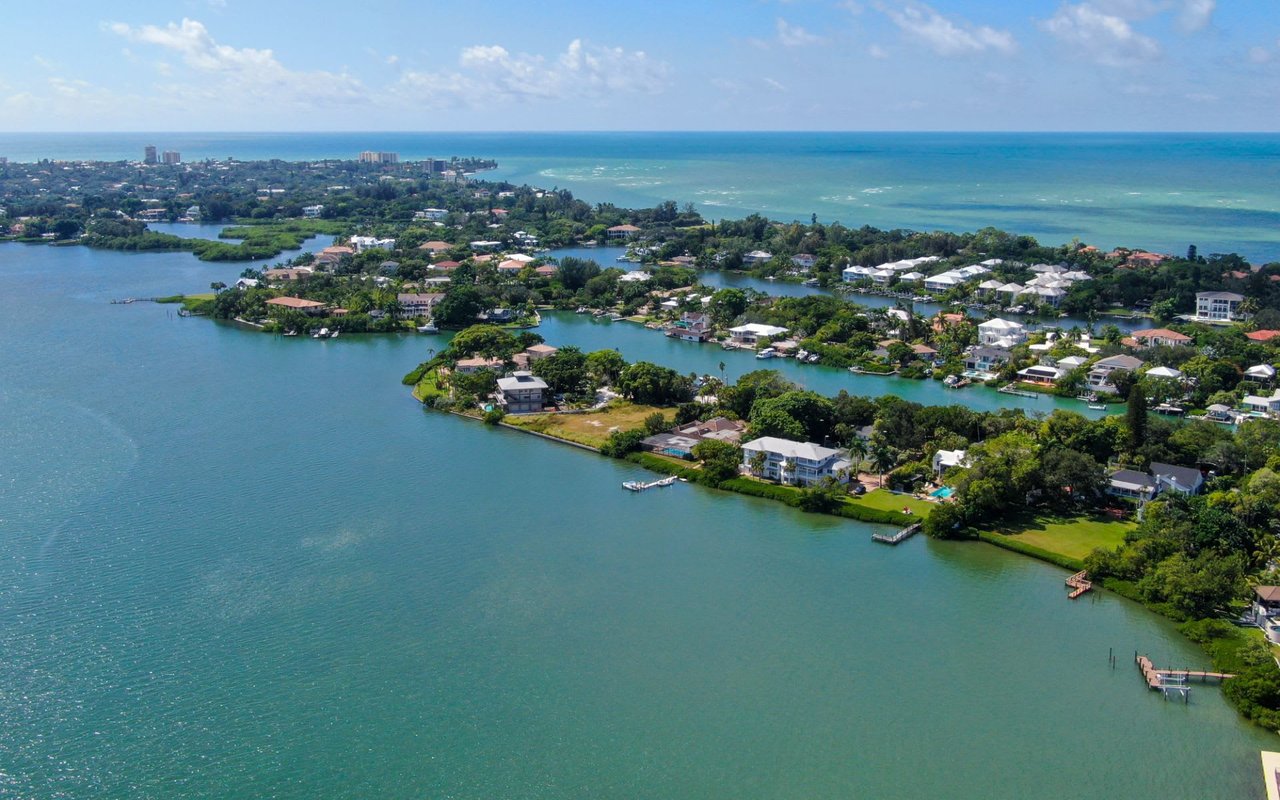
[(1160, 191), (945, 491), (238, 566)]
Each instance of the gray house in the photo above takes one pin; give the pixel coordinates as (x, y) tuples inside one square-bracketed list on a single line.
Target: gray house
[(521, 393)]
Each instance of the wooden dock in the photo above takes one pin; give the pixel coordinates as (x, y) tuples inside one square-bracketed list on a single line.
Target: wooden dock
[(1016, 392), (1079, 584), (1174, 681), (899, 537)]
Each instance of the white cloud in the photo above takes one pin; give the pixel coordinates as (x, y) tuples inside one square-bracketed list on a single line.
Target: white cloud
[(878, 52), (775, 85), (1196, 14), (245, 73), (489, 72), (1104, 38), (946, 37), (794, 36)]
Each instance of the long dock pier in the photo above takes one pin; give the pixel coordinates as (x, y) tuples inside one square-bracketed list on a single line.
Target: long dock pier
[(899, 537), (1174, 681)]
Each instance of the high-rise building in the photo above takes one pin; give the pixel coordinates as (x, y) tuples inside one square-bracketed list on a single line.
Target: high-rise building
[(149, 154), (376, 157), (172, 157)]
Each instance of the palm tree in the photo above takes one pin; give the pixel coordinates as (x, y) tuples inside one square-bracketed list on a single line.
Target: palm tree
[(882, 458), (858, 450), (758, 460)]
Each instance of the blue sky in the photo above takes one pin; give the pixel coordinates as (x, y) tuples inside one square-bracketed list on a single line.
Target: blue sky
[(659, 65)]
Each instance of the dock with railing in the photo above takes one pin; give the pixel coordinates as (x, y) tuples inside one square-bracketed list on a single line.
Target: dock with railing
[(897, 538)]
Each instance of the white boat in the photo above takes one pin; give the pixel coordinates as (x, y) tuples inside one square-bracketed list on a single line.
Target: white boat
[(323, 333), (1098, 406), (768, 352), (335, 333), (290, 333), (813, 358), (640, 486), (430, 327)]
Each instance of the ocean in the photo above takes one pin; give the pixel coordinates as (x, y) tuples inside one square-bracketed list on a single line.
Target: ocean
[(1162, 192)]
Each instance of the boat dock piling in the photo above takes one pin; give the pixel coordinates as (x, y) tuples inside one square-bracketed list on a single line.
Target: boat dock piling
[(639, 486), (900, 536)]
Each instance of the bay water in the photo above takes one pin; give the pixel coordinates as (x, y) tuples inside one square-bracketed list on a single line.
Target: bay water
[(235, 565)]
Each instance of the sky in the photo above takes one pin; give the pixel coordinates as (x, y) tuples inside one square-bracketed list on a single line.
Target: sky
[(561, 65)]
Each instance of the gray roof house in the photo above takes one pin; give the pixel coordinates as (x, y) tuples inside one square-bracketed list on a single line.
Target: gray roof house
[(1131, 483), (521, 393), (1186, 480), (796, 463)]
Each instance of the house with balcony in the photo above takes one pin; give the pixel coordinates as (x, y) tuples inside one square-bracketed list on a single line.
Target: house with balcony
[(1262, 404), (1001, 333), (521, 393), (756, 257), (795, 463), (692, 327), (986, 360), (1099, 378), (944, 460), (750, 334), (1218, 306), (414, 305)]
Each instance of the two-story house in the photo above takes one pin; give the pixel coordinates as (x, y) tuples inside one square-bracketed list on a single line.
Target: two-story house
[(794, 463), (522, 393), (1099, 378), (416, 305), (1218, 306)]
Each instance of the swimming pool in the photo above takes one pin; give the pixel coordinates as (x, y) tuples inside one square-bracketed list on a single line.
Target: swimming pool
[(941, 493)]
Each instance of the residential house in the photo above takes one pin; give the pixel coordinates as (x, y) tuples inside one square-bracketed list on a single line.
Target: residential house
[(1099, 378), (308, 307), (1170, 477), (1261, 373), (522, 393), (431, 214), (986, 360), (718, 428), (1040, 374), (419, 304), (469, 366), (436, 247), (1001, 333), (1266, 602), (804, 261), (532, 355), (751, 333), (312, 212), (1260, 404), (622, 231), (670, 444), (1262, 335), (1218, 306), (245, 283), (286, 273), (796, 463), (943, 282), (1132, 484), (1166, 373), (692, 327), (756, 257), (944, 460), (1156, 337), (363, 243)]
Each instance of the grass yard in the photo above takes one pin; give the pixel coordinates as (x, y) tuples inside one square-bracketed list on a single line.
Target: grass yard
[(1073, 538), (888, 501), (591, 429)]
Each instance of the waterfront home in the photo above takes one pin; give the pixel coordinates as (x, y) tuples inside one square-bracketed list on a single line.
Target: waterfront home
[(1170, 477), (692, 327), (312, 212), (1099, 378), (1266, 602), (622, 231), (1132, 484), (756, 257), (989, 287), (634, 276), (418, 304), (804, 261), (309, 307), (1011, 291), (521, 393), (1262, 373), (445, 266), (431, 214), (1219, 413), (483, 245), (1218, 306), (986, 360), (944, 460), (470, 366), (751, 333), (1156, 337), (1071, 362), (1261, 404), (1167, 373), (943, 282), (546, 270), (1001, 333), (1262, 335), (670, 444), (245, 283), (795, 463), (1040, 374)]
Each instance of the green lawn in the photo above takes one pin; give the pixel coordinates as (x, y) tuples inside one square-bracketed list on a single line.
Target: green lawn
[(887, 501), (1073, 537)]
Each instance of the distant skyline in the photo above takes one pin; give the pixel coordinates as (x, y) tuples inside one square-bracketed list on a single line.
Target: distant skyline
[(232, 65)]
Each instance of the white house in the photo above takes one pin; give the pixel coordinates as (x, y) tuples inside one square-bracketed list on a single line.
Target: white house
[(1168, 373), (431, 214), (312, 212), (804, 260), (1099, 379), (363, 243), (944, 460), (943, 281), (747, 335), (1001, 333), (756, 257), (1262, 373), (1261, 404), (1218, 306), (796, 463)]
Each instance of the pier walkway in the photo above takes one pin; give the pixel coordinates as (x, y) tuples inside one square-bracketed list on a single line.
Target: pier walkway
[(1079, 584), (896, 538), (1173, 680)]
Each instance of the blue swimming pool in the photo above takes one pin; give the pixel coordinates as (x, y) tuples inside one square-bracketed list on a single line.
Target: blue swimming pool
[(942, 493)]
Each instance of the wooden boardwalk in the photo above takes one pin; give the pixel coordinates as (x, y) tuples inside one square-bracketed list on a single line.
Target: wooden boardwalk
[(900, 536), (1079, 584)]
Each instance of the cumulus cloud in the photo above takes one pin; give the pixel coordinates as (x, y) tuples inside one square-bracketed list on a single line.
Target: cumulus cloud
[(948, 37), (1189, 15), (1105, 38), (248, 72), (489, 72), (877, 52), (793, 35), (1196, 14)]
